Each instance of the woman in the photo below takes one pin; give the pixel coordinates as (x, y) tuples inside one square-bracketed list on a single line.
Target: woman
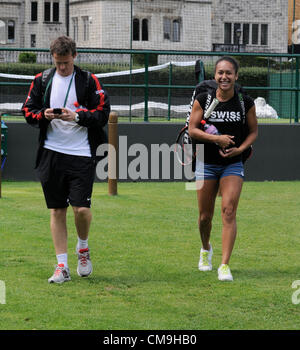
[(223, 166)]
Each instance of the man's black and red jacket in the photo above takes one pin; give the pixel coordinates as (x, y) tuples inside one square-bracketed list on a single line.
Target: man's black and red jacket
[(93, 106)]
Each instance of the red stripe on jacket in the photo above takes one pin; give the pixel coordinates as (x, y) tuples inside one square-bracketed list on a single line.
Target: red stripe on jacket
[(101, 93), (27, 113), (31, 114)]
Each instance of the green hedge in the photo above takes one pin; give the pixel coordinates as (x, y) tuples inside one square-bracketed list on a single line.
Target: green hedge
[(27, 57), (248, 76)]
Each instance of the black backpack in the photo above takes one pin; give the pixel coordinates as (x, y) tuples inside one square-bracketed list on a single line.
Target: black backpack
[(210, 87)]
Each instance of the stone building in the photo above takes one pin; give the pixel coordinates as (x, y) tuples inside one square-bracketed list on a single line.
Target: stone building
[(43, 22), (30, 23), (11, 23), (159, 25), (198, 25), (251, 26), (294, 26)]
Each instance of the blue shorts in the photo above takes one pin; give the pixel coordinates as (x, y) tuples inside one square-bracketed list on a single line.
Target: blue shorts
[(206, 171)]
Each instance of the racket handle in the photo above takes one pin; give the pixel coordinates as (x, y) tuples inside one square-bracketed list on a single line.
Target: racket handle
[(211, 108)]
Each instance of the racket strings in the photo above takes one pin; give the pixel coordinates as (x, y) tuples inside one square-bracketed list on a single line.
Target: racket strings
[(184, 148)]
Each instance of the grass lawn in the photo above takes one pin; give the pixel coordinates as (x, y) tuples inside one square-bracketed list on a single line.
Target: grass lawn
[(145, 248)]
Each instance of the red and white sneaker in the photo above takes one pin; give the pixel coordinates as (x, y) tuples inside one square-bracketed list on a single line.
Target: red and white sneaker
[(84, 267), (61, 274)]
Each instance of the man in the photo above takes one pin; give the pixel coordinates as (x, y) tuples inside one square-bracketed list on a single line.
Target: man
[(70, 108)]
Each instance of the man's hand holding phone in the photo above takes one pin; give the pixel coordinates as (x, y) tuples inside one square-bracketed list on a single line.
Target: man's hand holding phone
[(67, 115), (53, 113), (59, 113)]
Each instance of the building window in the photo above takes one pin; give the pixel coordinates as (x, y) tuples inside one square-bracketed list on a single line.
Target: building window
[(86, 29), (140, 27), (75, 28), (136, 29), (246, 33), (11, 31), (7, 32), (227, 33), (47, 11), (254, 34), (172, 29), (56, 12), (34, 11), (264, 34), (2, 32), (145, 29), (32, 40), (167, 28), (176, 30), (236, 38), (251, 33)]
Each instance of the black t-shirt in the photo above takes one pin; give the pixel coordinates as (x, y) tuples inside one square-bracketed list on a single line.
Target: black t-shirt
[(228, 119)]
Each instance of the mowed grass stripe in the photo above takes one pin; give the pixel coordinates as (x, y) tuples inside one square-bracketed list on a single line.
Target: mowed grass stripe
[(145, 249)]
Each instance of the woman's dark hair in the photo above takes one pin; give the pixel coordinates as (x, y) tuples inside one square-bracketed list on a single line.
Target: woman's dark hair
[(63, 46), (230, 60)]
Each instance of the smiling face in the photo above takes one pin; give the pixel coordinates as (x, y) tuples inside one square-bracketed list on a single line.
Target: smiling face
[(64, 64), (225, 75)]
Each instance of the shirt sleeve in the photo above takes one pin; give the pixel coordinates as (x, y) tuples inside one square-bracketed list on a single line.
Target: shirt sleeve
[(201, 98), (32, 108)]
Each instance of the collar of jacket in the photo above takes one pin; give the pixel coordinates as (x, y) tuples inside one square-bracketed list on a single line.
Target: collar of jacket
[(80, 84)]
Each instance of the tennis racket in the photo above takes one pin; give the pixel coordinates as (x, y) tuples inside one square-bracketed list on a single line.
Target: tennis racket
[(184, 147)]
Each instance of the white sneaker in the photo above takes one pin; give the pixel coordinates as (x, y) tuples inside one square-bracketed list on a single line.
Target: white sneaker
[(224, 273), (84, 267), (205, 259), (61, 274)]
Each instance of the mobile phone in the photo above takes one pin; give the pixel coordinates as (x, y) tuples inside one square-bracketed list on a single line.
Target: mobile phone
[(57, 111)]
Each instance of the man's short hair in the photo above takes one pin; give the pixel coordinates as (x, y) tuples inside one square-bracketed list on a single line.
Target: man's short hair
[(63, 46)]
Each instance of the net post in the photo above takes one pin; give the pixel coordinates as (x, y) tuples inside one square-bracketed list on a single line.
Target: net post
[(296, 119), (146, 87), (112, 153), (170, 90), (0, 155)]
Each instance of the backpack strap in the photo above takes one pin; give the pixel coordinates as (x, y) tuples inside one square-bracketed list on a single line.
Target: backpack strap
[(87, 83), (242, 103), (47, 78), (190, 109), (209, 86), (249, 151)]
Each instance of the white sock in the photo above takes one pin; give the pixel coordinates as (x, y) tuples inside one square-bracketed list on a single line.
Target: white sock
[(62, 259), (82, 243)]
